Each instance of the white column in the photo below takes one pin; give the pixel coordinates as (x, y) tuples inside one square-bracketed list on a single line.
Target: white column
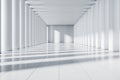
[(113, 31), (119, 20), (22, 23), (39, 30), (95, 25), (15, 24), (30, 26), (102, 23), (116, 27), (89, 38), (87, 30), (0, 26), (35, 28), (106, 27), (92, 26), (99, 25), (6, 25), (26, 25)]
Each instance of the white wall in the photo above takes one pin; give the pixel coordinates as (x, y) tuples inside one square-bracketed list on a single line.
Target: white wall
[(42, 31), (38, 32), (60, 34)]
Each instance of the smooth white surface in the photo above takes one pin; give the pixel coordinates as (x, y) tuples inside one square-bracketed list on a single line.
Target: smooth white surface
[(0, 26), (15, 24), (60, 34), (39, 30), (30, 27), (106, 28), (22, 23), (116, 28), (27, 25), (114, 25), (60, 12), (60, 62), (6, 25), (33, 32)]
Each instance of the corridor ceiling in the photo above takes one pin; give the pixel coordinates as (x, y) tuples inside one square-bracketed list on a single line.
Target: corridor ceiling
[(60, 12)]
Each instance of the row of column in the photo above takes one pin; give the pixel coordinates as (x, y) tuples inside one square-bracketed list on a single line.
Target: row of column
[(99, 27), (20, 25)]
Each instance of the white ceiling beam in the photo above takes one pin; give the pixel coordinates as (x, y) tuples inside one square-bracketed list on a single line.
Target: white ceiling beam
[(32, 2)]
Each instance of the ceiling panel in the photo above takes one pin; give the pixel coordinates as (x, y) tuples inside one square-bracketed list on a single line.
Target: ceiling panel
[(60, 12)]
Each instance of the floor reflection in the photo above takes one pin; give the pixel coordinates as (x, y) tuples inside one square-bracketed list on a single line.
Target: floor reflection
[(56, 58)]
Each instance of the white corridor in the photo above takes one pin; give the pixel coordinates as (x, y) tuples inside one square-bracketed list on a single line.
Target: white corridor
[(59, 39)]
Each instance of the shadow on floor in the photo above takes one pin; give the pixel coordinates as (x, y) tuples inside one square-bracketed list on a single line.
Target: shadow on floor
[(92, 58)]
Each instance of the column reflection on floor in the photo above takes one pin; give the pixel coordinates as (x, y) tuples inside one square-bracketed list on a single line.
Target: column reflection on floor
[(60, 62)]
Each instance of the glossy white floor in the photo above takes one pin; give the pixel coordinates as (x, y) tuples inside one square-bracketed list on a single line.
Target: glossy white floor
[(60, 62)]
